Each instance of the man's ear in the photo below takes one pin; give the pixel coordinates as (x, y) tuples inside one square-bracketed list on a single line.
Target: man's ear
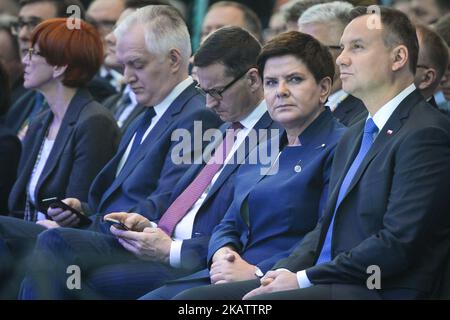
[(400, 57), (254, 79), (427, 79), (325, 89), (58, 71), (175, 59)]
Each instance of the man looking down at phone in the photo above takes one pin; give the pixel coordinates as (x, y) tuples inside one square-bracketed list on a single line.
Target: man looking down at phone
[(155, 53)]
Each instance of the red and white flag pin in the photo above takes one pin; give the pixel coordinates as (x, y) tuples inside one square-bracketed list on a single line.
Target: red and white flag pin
[(389, 132)]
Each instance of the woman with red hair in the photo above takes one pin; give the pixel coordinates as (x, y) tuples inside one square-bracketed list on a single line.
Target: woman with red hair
[(68, 144)]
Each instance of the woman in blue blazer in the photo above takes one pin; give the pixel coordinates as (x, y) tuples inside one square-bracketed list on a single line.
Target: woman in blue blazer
[(273, 208), (67, 145)]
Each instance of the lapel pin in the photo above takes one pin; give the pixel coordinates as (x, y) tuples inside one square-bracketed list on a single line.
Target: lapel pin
[(298, 167), (389, 132), (323, 145)]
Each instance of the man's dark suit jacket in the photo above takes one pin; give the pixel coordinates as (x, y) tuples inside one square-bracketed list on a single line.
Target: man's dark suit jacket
[(86, 141), (10, 148), (151, 168), (219, 198), (395, 213), (349, 110)]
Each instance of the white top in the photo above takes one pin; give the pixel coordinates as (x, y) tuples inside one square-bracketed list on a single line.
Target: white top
[(380, 118), (160, 109), (35, 175), (129, 108), (183, 229)]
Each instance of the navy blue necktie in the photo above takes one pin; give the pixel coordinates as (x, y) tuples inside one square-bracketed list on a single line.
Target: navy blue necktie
[(369, 130), (143, 126)]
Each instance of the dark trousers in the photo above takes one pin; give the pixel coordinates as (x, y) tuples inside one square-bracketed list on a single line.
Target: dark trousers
[(170, 290), (17, 239), (334, 291), (107, 270)]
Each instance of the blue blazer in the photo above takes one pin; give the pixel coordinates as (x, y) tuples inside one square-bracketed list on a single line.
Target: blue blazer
[(86, 141), (151, 169), (269, 234), (395, 213), (219, 198)]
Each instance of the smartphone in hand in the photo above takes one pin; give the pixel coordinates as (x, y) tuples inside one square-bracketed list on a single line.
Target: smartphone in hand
[(57, 203), (117, 224)]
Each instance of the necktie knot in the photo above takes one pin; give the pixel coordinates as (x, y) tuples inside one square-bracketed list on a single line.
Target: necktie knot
[(370, 126)]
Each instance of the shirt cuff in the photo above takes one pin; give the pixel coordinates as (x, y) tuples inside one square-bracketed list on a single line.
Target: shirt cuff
[(175, 253), (302, 279), (154, 225)]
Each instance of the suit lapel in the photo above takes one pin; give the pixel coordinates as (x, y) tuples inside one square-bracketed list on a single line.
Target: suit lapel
[(77, 104), (389, 131), (161, 126), (264, 123), (24, 177)]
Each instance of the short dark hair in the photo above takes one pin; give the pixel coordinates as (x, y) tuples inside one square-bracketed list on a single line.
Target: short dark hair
[(13, 40), (397, 29), (234, 47), (5, 91), (443, 4), (60, 5), (442, 27), (60, 46), (304, 47), (251, 20), (435, 49), (136, 4)]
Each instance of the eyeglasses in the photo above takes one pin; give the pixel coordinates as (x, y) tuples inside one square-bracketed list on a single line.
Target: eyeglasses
[(422, 66), (217, 93), (33, 52), (30, 25)]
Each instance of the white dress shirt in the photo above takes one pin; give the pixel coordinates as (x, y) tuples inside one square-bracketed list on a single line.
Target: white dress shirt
[(129, 108), (183, 229), (380, 118), (335, 98), (160, 109)]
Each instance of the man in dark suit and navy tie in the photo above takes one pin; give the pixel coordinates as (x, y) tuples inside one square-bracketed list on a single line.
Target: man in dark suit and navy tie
[(144, 162), (385, 232), (326, 22)]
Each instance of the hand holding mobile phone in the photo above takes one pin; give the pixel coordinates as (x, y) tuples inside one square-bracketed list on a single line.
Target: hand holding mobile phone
[(57, 203), (117, 224)]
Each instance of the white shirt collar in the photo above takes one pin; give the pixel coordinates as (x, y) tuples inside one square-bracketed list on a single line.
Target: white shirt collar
[(251, 119), (335, 98), (382, 116), (131, 94), (161, 107)]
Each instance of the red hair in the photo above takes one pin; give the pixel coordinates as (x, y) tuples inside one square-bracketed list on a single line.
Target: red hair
[(81, 49)]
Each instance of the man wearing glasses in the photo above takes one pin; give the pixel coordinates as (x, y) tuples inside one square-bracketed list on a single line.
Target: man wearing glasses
[(326, 23)]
